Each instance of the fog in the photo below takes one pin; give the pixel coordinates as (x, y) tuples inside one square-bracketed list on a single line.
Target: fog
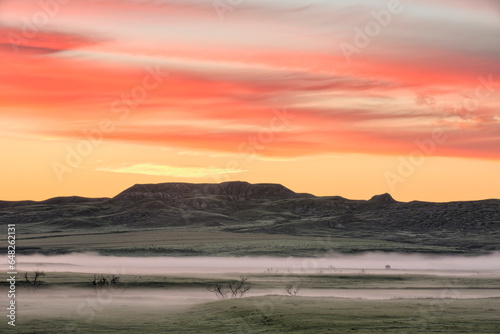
[(139, 298), (384, 294), (81, 301), (370, 262), (87, 302)]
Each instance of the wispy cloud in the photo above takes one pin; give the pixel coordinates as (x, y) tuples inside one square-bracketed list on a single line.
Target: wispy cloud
[(172, 171), (222, 87)]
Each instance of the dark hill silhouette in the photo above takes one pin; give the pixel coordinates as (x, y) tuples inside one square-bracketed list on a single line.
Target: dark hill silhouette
[(239, 190), (266, 208)]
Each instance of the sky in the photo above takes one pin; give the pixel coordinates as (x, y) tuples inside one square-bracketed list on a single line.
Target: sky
[(350, 97)]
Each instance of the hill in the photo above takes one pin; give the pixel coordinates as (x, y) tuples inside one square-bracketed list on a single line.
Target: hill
[(269, 209)]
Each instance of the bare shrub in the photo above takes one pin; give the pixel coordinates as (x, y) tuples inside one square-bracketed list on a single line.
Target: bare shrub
[(235, 289), (292, 290), (101, 281), (220, 290), (35, 282), (238, 289)]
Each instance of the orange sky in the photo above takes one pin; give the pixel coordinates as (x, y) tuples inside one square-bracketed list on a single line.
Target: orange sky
[(349, 98)]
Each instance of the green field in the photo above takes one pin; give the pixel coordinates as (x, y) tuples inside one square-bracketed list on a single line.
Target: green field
[(279, 314), (179, 242), (67, 303), (391, 280)]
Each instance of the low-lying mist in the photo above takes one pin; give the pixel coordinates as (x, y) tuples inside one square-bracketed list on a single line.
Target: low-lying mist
[(373, 262), (63, 300)]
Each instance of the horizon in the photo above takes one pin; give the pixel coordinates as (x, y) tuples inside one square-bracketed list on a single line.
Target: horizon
[(266, 183), (349, 97)]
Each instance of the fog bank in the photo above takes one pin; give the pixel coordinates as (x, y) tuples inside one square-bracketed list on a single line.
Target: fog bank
[(372, 262)]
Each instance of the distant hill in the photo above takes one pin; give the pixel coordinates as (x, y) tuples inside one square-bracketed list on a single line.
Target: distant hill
[(170, 192), (265, 208)]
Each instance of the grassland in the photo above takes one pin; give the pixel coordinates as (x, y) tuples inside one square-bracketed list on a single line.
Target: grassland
[(277, 314), (392, 280), (210, 242), (67, 303), (239, 219)]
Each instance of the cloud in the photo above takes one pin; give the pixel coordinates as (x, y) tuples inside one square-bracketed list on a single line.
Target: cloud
[(172, 171), (40, 42), (226, 77)]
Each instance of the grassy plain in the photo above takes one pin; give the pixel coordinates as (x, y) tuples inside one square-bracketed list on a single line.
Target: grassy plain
[(391, 280), (67, 303), (178, 242), (278, 314)]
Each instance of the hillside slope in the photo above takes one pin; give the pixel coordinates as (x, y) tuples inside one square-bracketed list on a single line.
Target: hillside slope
[(240, 207)]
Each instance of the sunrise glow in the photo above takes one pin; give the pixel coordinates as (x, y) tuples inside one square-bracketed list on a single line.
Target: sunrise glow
[(349, 98)]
